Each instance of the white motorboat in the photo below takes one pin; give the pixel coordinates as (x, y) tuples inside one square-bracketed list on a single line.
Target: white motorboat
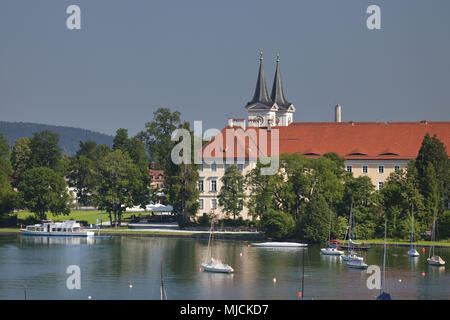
[(279, 244), (331, 251), (216, 266), (50, 228), (436, 261), (413, 253), (356, 262)]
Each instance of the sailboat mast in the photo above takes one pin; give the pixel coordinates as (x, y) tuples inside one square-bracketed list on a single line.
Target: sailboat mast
[(384, 258), (412, 222), (303, 273), (351, 227)]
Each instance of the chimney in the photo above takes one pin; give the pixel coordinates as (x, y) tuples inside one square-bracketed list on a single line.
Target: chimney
[(337, 113)]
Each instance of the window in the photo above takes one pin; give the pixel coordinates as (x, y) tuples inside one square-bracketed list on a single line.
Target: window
[(349, 168), (200, 185), (396, 168), (241, 205), (201, 204), (214, 204), (365, 169), (200, 167), (226, 166), (380, 169), (213, 185), (240, 167), (380, 185), (214, 167)]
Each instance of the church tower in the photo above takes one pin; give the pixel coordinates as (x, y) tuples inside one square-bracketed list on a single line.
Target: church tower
[(264, 110)]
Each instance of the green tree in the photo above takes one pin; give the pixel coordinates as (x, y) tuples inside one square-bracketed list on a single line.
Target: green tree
[(118, 182), (41, 190), (277, 224), (315, 224), (8, 198), (5, 164), (433, 151), (44, 150), (157, 136), (21, 156), (231, 195)]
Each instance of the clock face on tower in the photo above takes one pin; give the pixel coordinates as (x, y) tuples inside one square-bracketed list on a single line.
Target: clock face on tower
[(260, 119)]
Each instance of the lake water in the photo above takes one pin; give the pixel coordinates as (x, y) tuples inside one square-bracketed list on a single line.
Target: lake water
[(36, 267)]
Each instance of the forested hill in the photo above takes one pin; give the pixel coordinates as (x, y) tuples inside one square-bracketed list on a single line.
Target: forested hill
[(69, 138)]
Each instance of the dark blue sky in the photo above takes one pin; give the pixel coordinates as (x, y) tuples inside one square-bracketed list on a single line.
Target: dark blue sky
[(201, 58)]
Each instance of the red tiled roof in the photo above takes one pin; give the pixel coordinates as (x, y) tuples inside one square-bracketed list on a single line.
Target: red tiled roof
[(350, 140)]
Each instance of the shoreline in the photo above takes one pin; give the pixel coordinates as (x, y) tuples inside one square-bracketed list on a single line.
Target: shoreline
[(229, 236)]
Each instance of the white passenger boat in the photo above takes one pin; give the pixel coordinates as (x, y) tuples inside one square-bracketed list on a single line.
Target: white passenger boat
[(50, 228), (279, 244)]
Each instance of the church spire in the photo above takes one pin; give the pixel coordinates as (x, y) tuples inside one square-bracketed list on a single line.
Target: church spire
[(277, 94), (261, 95)]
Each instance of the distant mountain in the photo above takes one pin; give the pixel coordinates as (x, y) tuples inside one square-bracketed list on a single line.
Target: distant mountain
[(69, 138)]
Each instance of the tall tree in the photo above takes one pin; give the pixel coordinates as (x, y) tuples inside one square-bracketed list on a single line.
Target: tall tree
[(433, 151), (5, 164), (21, 156), (118, 182), (157, 136), (231, 195), (41, 190), (44, 150), (8, 197)]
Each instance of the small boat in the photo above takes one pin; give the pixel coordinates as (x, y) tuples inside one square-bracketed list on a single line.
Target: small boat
[(214, 265), (412, 252), (356, 262), (279, 244), (434, 260), (384, 295), (348, 256), (331, 251), (49, 228)]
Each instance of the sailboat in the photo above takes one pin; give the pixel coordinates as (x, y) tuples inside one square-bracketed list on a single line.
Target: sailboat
[(214, 265), (433, 259), (384, 295), (412, 252), (331, 250), (351, 259)]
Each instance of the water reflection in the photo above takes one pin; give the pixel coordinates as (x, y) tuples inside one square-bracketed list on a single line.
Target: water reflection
[(110, 265)]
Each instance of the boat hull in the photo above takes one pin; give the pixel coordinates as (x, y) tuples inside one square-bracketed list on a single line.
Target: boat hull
[(331, 252), (208, 268), (433, 262), (279, 244), (57, 234)]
